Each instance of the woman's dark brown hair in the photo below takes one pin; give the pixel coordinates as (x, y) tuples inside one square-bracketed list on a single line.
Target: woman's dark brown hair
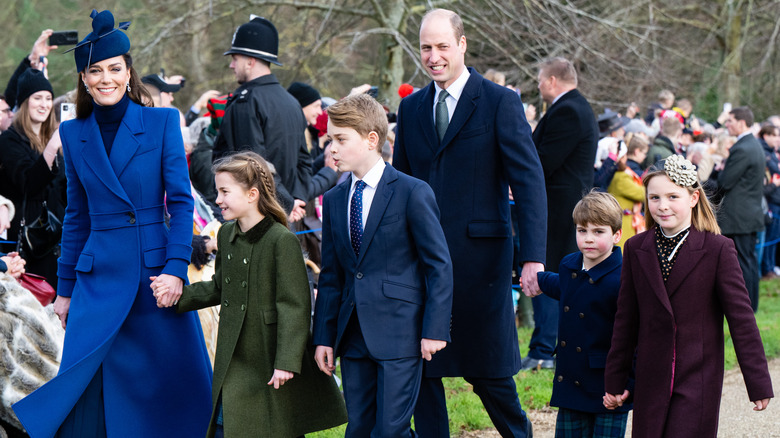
[(137, 93)]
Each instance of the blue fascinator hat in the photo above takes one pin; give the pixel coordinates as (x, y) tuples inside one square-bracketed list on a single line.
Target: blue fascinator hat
[(103, 42)]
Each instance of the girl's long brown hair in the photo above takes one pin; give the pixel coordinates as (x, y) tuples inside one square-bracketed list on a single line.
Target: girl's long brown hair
[(23, 124), (251, 170), (703, 215), (137, 93)]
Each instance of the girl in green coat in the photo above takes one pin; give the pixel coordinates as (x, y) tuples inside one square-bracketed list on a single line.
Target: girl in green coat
[(266, 383)]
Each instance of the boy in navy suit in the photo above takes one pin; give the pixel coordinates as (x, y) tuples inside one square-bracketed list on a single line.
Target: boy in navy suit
[(385, 290), (587, 288)]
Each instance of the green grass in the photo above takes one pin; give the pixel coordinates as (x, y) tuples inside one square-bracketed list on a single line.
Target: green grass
[(535, 388)]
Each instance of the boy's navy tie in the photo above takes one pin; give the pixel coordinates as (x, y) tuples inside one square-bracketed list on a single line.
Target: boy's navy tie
[(356, 216)]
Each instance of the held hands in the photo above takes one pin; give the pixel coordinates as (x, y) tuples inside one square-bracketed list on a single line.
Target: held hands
[(530, 281), (15, 264), (280, 377), (298, 212), (612, 401), (167, 289), (429, 347), (324, 357)]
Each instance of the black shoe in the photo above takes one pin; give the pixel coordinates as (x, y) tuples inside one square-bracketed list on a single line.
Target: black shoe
[(530, 363)]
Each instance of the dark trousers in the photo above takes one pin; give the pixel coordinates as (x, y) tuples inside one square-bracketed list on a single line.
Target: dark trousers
[(499, 396), (87, 418), (772, 233), (545, 331), (380, 394), (746, 254)]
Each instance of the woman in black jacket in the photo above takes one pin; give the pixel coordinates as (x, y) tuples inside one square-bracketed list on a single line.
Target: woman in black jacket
[(31, 165)]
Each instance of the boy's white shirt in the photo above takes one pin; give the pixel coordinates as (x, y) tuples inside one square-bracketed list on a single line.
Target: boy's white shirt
[(371, 179)]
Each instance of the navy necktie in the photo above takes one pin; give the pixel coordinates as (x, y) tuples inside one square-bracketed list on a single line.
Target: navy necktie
[(442, 114), (356, 216)]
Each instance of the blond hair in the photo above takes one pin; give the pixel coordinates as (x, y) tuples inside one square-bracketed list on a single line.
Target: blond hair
[(598, 208), (361, 113), (250, 170), (703, 214)]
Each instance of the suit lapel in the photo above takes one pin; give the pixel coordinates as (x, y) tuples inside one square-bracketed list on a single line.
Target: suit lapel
[(466, 106), (647, 257), (384, 191), (425, 109), (93, 152), (126, 141), (691, 252), (340, 214)]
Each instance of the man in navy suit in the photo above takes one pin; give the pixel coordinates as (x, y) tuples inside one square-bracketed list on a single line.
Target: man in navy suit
[(471, 144), (385, 290), (566, 139)]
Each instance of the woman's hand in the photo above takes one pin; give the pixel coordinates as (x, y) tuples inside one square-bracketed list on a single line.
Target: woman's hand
[(280, 377), (61, 308), (40, 48), (167, 289), (52, 148)]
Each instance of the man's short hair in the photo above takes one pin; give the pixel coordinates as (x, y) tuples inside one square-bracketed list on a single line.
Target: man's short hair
[(598, 208), (361, 113), (455, 21), (743, 113), (559, 67), (670, 127)]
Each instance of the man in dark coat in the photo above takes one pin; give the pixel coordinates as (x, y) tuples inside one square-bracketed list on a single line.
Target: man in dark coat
[(262, 117), (477, 146), (566, 140), (740, 215)]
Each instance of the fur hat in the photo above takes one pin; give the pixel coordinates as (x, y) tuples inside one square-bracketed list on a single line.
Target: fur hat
[(305, 94), (103, 42), (30, 82), (256, 39)]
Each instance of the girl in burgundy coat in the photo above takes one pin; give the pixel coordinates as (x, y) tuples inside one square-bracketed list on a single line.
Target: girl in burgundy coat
[(679, 279)]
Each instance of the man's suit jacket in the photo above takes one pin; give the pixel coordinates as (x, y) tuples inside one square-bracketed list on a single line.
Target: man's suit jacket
[(487, 149), (742, 180), (400, 284), (673, 333), (566, 139)]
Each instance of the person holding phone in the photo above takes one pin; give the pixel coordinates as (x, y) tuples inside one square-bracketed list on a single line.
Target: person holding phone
[(128, 368)]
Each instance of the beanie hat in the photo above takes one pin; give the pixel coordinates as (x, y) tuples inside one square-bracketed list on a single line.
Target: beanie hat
[(157, 82), (405, 90), (256, 39), (30, 82), (103, 42), (305, 94)]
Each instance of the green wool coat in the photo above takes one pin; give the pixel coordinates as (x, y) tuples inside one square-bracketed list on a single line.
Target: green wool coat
[(260, 281)]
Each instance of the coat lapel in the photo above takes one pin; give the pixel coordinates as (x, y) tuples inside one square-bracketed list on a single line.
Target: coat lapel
[(466, 106), (93, 152), (132, 125), (384, 191), (425, 109), (691, 252), (647, 258)]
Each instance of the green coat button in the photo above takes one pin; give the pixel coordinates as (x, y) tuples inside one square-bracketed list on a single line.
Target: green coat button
[(230, 256), (243, 307), (246, 261), (226, 303), (227, 280), (243, 284)]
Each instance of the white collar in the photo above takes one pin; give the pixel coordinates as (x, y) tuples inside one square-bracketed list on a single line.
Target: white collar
[(372, 177), (456, 88)]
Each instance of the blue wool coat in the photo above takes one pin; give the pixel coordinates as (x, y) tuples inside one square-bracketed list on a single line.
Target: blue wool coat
[(487, 149), (156, 372), (587, 306)]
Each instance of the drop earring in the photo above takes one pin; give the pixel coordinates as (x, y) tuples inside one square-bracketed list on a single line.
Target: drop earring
[(86, 88), (128, 87)]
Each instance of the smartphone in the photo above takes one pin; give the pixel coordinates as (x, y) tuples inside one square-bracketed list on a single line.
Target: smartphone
[(727, 107), (373, 92), (67, 111), (64, 38)]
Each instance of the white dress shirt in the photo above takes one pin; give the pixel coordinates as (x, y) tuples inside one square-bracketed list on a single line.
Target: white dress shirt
[(455, 90), (371, 179)]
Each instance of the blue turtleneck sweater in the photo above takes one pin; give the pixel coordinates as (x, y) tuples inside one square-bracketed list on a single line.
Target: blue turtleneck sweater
[(108, 119)]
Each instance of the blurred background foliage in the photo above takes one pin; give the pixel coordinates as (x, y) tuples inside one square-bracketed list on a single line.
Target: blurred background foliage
[(711, 52)]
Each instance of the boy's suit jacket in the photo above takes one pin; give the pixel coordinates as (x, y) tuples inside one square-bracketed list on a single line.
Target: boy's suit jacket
[(400, 284)]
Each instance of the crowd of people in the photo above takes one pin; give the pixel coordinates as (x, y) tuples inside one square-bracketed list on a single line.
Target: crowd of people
[(406, 244)]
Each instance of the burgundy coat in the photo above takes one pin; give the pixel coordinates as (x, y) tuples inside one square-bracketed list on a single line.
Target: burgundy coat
[(677, 331)]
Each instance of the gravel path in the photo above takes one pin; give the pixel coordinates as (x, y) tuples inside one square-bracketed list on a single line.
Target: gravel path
[(737, 418)]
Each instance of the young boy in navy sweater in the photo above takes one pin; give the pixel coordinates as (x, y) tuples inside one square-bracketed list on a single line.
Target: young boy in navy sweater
[(385, 291), (587, 288)]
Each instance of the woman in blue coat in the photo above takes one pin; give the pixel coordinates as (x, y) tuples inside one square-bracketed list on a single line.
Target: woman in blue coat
[(128, 369)]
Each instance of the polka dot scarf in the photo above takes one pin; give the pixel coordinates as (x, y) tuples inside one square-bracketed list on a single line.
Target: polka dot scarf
[(668, 248)]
